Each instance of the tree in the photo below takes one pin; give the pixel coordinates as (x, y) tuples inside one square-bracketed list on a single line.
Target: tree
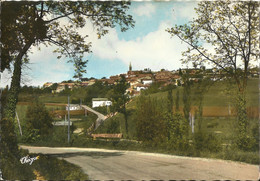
[(186, 99), (151, 125), (28, 24), (231, 28), (177, 137), (177, 100), (38, 120), (170, 101), (54, 86), (200, 89), (120, 98)]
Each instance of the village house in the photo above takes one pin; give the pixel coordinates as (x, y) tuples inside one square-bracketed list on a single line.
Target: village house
[(108, 81), (85, 84), (100, 102), (163, 76), (146, 81), (62, 86), (140, 87), (47, 84)]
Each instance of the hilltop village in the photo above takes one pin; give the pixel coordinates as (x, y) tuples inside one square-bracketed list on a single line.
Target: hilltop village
[(142, 79)]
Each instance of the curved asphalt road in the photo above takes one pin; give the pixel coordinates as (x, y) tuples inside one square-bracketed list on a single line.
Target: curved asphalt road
[(101, 164)]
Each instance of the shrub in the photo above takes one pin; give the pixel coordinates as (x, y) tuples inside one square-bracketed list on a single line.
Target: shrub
[(38, 121), (151, 127), (54, 169), (231, 153), (39, 118), (113, 126), (102, 110), (177, 131), (206, 142), (212, 125)]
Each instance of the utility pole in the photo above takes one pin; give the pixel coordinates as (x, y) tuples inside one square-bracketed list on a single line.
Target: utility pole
[(1, 174), (192, 123), (68, 119)]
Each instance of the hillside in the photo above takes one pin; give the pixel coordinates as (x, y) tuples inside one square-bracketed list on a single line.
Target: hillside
[(215, 108)]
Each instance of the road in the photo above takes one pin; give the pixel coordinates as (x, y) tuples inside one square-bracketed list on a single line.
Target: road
[(101, 164), (100, 116)]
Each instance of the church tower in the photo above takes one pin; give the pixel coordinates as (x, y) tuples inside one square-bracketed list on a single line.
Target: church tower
[(130, 67)]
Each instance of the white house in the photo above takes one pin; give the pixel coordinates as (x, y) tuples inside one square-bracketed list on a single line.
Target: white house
[(100, 102), (147, 81), (140, 87)]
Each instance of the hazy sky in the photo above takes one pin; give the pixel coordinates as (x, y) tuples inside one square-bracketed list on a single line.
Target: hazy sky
[(147, 45)]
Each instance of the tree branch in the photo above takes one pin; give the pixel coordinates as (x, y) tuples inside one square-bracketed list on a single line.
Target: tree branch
[(58, 44), (59, 17), (201, 53)]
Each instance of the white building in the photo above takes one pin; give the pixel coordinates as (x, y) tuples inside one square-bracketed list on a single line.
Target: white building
[(73, 107), (100, 102), (147, 81), (140, 87)]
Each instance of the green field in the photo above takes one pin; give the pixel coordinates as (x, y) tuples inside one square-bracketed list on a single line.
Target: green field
[(217, 95), (215, 104)]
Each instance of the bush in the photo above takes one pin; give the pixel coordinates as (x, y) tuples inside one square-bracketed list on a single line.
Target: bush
[(54, 169), (30, 136), (151, 127), (212, 125), (177, 132), (246, 142), (102, 110), (12, 169), (206, 142), (113, 126), (231, 153), (38, 117)]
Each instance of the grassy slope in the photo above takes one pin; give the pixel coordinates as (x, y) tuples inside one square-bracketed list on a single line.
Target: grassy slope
[(216, 95), (215, 99)]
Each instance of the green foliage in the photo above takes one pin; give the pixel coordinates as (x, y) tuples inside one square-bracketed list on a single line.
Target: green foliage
[(206, 142), (113, 126), (244, 139), (229, 38), (52, 168), (151, 127), (12, 168), (25, 25), (240, 155), (186, 97), (31, 135), (177, 129), (232, 39), (120, 98), (212, 125), (170, 101), (97, 90), (104, 109), (38, 121), (177, 101)]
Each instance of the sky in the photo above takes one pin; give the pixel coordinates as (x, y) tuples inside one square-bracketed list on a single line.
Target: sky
[(147, 45)]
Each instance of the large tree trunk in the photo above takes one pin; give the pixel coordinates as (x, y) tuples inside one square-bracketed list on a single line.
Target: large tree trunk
[(8, 139)]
